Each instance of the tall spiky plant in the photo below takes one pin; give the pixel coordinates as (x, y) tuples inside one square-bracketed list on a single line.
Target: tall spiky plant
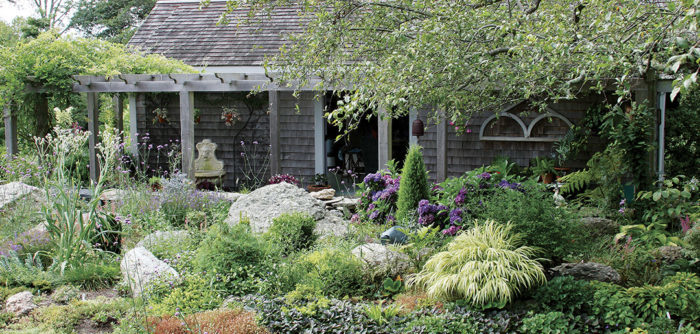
[(485, 265), (414, 183)]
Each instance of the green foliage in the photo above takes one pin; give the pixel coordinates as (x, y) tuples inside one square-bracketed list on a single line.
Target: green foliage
[(484, 265), (676, 198), (194, 294), (231, 257), (93, 276), (564, 294), (682, 141), (679, 296), (576, 181), (50, 61), (391, 287), (111, 20), (382, 314), (419, 242), (548, 323), (328, 271), (24, 272), (414, 183), (612, 305), (692, 240), (535, 216), (67, 318), (543, 166), (292, 232)]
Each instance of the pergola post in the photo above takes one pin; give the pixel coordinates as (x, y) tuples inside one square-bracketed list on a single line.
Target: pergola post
[(384, 138), (94, 128), (274, 99), (187, 132), (119, 114), (319, 137), (441, 146), (133, 127), (10, 130)]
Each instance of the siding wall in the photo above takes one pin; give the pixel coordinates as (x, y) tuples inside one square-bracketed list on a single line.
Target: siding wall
[(253, 126), (297, 136)]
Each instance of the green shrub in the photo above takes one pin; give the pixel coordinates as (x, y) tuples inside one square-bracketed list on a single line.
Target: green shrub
[(679, 296), (548, 323), (534, 215), (193, 295), (232, 257), (612, 305), (484, 265), (93, 275), (292, 232), (28, 272), (328, 272), (564, 294), (692, 240), (414, 183), (66, 318)]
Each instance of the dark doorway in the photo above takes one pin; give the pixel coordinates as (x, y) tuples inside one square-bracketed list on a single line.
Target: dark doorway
[(400, 136)]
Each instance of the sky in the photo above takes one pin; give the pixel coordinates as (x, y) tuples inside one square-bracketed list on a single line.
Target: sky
[(9, 11)]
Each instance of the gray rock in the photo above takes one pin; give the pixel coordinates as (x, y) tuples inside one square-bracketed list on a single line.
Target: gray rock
[(347, 203), (599, 226), (20, 303), (113, 195), (324, 195), (64, 294), (269, 202), (13, 191), (379, 260), (587, 271), (669, 254), (231, 197), (158, 239), (140, 268)]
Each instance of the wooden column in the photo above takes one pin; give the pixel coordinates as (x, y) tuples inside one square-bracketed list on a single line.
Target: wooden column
[(319, 136), (10, 130), (274, 99), (384, 138), (187, 132), (119, 114), (441, 145), (93, 110), (133, 127), (412, 116)]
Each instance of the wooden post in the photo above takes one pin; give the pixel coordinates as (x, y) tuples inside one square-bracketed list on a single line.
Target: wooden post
[(133, 127), (119, 114), (274, 99), (93, 110), (10, 131), (441, 145), (412, 116), (319, 136), (187, 132), (384, 138)]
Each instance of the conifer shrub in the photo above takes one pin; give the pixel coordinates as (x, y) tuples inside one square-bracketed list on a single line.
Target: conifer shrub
[(414, 183), (292, 232)]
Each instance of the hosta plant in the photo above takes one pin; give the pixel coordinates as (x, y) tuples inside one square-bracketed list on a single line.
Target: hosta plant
[(485, 265)]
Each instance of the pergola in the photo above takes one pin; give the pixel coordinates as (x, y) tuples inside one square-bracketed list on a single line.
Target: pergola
[(186, 85)]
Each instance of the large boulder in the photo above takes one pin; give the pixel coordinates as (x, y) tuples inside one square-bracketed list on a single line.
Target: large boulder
[(600, 226), (140, 268), (159, 239), (13, 191), (20, 304), (379, 260), (587, 271), (269, 202), (324, 194)]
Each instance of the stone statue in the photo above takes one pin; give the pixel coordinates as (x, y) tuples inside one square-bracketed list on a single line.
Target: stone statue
[(207, 166)]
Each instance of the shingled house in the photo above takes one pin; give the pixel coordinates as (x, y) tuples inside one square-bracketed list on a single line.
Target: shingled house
[(300, 141)]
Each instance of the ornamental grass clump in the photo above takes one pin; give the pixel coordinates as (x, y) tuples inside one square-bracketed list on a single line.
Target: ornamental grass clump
[(414, 183), (485, 265)]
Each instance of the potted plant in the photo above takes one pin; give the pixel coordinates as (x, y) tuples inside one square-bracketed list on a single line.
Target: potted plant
[(161, 115), (320, 183), (230, 115), (197, 115), (544, 167)]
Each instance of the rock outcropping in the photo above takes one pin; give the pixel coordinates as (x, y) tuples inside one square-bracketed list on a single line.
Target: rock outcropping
[(265, 204), (140, 267), (382, 261), (587, 271)]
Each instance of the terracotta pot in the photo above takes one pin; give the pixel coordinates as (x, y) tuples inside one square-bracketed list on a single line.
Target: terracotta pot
[(313, 188), (161, 119), (547, 178)]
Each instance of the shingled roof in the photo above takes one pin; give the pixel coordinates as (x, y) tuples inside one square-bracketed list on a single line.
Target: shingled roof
[(181, 30)]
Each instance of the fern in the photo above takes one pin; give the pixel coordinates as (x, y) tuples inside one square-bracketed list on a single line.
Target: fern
[(576, 181)]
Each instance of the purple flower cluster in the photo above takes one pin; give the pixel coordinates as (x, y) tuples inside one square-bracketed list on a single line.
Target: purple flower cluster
[(374, 181), (510, 185), (452, 230), (431, 214), (279, 178), (379, 196), (484, 176), (455, 216), (29, 239), (461, 196)]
